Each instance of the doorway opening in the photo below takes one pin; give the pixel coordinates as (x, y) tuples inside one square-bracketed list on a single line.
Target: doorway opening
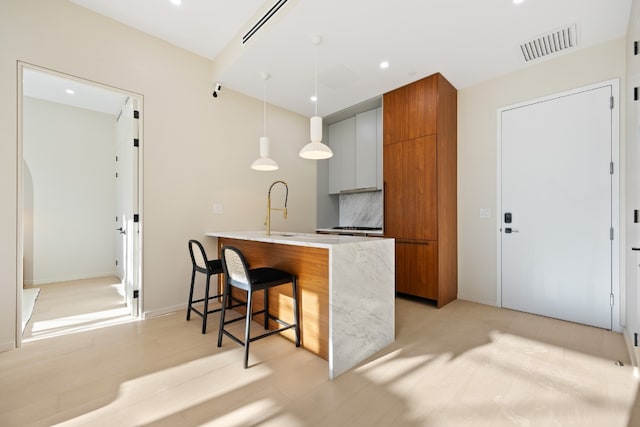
[(79, 181)]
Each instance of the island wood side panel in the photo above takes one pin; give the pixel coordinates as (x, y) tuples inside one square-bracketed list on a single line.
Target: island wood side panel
[(311, 266)]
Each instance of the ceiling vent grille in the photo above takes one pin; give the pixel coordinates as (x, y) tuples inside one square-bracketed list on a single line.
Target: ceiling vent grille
[(263, 20), (550, 43)]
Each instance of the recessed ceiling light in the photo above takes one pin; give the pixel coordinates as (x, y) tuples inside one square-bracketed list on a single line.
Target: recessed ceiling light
[(314, 98), (384, 64), (70, 91), (518, 1), (176, 2)]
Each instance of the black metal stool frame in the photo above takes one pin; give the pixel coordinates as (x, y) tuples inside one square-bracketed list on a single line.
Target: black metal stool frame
[(210, 268), (257, 279)]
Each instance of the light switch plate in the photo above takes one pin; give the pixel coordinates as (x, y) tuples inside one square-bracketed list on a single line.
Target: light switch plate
[(485, 213)]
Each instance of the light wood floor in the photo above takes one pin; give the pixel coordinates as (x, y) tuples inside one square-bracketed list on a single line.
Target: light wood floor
[(463, 365)]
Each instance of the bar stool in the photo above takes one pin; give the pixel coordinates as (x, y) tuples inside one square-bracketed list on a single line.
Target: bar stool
[(238, 275), (201, 264)]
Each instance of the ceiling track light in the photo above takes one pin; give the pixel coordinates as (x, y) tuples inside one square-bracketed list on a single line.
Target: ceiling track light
[(264, 162), (316, 150)]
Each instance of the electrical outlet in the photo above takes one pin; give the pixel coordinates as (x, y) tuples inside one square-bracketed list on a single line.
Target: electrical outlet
[(485, 213)]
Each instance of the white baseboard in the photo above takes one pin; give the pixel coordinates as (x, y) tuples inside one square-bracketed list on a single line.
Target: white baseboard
[(7, 346), (164, 311), (491, 303)]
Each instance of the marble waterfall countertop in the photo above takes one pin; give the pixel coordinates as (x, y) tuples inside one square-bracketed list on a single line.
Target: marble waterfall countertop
[(360, 292), (291, 238)]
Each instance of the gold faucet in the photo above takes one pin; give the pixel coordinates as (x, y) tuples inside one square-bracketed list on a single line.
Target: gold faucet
[(269, 208)]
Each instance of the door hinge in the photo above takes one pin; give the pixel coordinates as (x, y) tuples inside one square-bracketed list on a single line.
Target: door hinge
[(136, 293), (136, 114), (611, 102), (611, 300), (611, 168), (116, 263), (136, 218), (136, 142), (635, 48), (611, 233)]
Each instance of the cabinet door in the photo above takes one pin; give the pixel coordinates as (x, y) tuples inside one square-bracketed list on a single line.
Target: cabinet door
[(395, 115), (366, 159), (417, 269), (419, 189), (335, 161), (347, 140), (422, 107), (393, 190)]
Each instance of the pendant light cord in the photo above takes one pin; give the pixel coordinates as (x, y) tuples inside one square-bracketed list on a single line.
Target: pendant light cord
[(264, 108), (316, 79)]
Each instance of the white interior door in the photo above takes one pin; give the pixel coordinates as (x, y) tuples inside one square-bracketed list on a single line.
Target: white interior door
[(556, 187), (127, 226)]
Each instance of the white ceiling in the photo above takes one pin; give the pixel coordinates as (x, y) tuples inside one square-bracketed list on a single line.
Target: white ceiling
[(468, 41), (54, 88)]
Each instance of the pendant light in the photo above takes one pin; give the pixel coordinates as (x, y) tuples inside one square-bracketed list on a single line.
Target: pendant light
[(264, 163), (316, 150)]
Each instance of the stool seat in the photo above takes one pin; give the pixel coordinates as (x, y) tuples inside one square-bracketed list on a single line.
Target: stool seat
[(238, 275)]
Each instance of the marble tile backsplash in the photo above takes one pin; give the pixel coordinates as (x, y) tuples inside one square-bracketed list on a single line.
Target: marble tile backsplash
[(361, 209)]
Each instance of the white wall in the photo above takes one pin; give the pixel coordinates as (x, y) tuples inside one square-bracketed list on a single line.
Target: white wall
[(70, 156), (477, 156), (633, 182), (196, 149)]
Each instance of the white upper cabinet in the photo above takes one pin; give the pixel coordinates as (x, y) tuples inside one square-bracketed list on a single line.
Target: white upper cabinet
[(366, 160), (357, 153)]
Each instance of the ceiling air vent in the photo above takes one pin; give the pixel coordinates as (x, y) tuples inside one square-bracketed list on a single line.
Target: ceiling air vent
[(550, 43), (263, 20)]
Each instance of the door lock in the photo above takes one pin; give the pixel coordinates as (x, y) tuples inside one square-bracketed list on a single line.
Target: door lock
[(510, 230)]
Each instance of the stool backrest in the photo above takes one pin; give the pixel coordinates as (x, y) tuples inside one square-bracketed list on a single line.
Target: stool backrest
[(198, 255), (235, 266)]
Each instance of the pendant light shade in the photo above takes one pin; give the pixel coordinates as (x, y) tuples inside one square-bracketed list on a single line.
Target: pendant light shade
[(316, 150), (265, 162)]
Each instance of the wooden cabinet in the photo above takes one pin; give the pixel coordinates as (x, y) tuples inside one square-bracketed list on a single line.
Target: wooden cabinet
[(420, 187), (357, 153), (417, 269)]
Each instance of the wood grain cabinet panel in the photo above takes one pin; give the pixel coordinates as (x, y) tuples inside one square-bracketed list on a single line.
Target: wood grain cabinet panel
[(394, 116), (417, 269), (420, 186)]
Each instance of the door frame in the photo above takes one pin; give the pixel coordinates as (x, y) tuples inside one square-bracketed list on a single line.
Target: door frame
[(20, 67), (617, 202)]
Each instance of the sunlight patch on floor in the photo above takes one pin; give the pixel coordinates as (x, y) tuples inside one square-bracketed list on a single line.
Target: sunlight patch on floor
[(78, 323)]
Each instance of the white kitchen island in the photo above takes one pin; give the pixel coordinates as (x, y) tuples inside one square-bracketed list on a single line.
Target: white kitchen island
[(346, 289)]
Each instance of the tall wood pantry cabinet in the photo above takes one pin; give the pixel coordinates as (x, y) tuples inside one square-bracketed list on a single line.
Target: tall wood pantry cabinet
[(420, 186)]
